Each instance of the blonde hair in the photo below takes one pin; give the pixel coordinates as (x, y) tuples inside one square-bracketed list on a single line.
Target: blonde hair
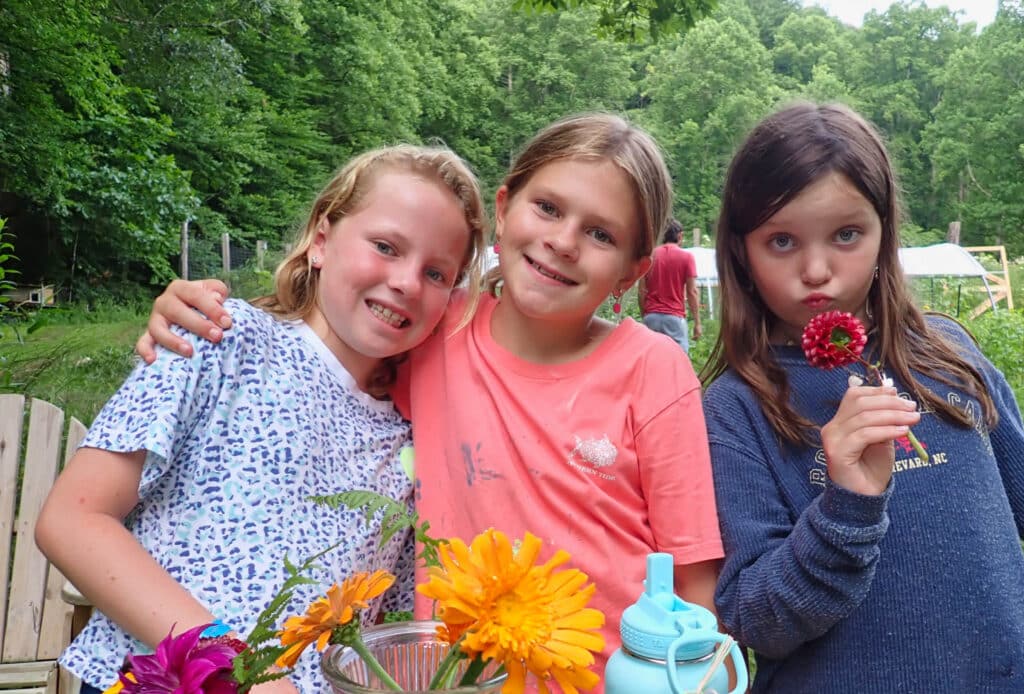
[(601, 136), (297, 282)]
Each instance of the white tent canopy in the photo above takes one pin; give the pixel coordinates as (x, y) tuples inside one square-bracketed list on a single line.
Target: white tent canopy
[(940, 260)]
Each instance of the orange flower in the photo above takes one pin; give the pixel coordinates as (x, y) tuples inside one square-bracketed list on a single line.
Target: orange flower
[(326, 613), (531, 618)]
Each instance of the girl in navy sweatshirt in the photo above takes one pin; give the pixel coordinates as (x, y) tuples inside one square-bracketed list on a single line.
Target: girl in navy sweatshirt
[(854, 564)]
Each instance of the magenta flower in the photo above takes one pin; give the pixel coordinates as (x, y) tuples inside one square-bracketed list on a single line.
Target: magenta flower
[(184, 665)]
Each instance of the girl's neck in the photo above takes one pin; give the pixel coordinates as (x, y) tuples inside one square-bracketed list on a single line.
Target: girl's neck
[(545, 342), (357, 364)]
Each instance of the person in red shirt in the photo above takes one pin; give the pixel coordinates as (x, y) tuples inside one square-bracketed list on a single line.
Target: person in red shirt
[(673, 272)]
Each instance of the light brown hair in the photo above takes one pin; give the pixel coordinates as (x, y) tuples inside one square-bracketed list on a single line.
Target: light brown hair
[(596, 137), (786, 152)]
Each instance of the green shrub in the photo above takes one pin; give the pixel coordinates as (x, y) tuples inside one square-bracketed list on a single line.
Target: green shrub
[(1001, 334)]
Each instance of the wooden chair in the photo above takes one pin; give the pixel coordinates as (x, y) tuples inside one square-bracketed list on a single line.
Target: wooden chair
[(35, 623)]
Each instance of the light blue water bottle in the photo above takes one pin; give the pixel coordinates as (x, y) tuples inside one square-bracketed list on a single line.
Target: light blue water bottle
[(668, 644)]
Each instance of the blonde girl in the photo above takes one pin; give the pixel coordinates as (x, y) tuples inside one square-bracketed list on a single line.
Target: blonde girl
[(193, 482)]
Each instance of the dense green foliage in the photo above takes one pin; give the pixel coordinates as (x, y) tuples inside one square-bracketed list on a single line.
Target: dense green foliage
[(122, 119)]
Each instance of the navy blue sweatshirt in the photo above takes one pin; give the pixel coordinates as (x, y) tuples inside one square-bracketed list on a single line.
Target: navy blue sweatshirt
[(920, 589)]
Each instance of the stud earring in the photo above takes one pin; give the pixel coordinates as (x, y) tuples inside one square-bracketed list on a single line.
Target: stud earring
[(315, 261)]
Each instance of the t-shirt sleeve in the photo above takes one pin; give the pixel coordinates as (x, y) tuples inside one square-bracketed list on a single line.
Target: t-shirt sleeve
[(156, 407), (675, 469), (691, 267)]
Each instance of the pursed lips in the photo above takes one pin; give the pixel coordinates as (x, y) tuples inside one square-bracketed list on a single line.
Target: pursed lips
[(817, 300)]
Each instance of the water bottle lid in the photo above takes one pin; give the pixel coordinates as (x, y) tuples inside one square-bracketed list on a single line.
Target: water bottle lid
[(659, 617)]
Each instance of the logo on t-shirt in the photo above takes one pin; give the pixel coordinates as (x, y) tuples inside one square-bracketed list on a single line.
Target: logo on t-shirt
[(590, 455)]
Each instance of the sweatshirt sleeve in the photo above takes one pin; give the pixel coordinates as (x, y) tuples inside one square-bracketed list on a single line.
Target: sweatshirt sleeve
[(787, 577)]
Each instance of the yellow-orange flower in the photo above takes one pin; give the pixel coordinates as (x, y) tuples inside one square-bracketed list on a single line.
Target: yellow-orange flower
[(326, 613), (531, 618)]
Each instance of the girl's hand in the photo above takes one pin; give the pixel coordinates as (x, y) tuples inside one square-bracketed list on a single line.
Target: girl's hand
[(858, 441), (195, 306)]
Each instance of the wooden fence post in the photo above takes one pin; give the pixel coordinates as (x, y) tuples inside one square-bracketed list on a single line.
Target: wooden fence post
[(953, 234), (183, 270), (225, 252)]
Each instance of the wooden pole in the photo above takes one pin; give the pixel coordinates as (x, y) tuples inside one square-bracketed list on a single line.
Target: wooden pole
[(225, 252), (183, 270), (696, 237), (261, 253), (953, 233)]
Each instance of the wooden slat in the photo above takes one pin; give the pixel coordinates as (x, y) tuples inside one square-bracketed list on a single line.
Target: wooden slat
[(27, 675), (28, 578), (55, 632), (12, 414)]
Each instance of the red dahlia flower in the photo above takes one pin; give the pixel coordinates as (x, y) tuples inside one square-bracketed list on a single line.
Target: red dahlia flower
[(833, 338), (837, 338)]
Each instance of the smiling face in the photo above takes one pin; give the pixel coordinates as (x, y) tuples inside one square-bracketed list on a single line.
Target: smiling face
[(569, 239), (818, 253), (387, 269)]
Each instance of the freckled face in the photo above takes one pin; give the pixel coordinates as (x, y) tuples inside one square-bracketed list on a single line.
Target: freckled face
[(387, 269), (818, 253)]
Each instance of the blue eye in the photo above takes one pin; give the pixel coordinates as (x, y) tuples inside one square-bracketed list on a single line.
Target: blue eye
[(436, 276), (781, 242), (847, 235), (601, 236), (547, 207), (384, 247)]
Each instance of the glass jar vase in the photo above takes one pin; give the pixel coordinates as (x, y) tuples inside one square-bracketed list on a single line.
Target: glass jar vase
[(408, 651)]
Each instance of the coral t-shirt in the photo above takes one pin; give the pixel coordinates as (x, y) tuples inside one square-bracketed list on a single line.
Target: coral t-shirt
[(666, 280), (605, 457)]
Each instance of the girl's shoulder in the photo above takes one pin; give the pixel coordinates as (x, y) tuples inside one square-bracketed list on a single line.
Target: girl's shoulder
[(950, 328)]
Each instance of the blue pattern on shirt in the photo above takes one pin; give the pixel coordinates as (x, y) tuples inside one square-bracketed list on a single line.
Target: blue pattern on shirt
[(238, 437)]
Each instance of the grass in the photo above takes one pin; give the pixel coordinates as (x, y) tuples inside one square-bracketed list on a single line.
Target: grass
[(76, 366)]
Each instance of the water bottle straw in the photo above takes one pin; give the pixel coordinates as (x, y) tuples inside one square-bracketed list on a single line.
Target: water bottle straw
[(720, 656)]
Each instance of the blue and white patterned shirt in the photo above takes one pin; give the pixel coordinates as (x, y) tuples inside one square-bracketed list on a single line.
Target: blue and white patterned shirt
[(238, 437)]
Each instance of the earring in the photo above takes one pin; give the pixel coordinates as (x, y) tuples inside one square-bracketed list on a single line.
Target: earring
[(617, 306), (315, 261), (876, 272), (497, 247)]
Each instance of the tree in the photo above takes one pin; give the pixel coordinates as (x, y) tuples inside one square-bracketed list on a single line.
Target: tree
[(975, 140), (634, 19), (699, 113)]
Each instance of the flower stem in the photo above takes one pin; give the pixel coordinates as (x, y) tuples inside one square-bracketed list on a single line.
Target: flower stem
[(446, 668), (877, 373), (918, 448), (476, 666), (359, 647)]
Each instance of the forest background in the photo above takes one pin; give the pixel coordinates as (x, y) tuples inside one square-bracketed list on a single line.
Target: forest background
[(121, 120)]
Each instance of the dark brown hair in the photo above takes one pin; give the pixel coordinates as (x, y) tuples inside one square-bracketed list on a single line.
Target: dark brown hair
[(786, 152)]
